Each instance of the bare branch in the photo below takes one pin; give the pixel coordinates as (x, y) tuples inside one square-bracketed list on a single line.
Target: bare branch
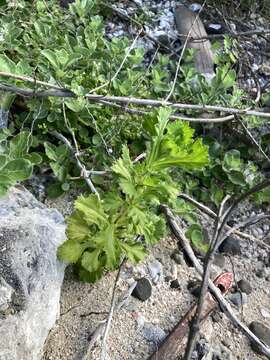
[(134, 101), (222, 302)]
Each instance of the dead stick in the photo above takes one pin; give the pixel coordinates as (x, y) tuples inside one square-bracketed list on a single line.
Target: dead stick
[(222, 302)]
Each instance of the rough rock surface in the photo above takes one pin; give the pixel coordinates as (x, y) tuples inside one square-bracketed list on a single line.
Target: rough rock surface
[(30, 274)]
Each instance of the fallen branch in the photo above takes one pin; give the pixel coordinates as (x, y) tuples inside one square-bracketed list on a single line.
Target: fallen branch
[(222, 302), (134, 101)]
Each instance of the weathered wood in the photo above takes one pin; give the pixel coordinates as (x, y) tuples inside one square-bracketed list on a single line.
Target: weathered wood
[(175, 343), (189, 25)]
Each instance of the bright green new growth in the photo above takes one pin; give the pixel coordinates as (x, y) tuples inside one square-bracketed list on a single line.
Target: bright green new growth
[(126, 221)]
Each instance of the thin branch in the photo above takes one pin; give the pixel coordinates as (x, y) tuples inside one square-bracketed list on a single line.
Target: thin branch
[(100, 329), (213, 215), (209, 258), (216, 292), (254, 141), (221, 221), (131, 100), (232, 35), (84, 173), (110, 315), (172, 117)]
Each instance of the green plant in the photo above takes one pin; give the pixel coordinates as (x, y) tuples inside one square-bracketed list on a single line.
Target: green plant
[(16, 162), (126, 220)]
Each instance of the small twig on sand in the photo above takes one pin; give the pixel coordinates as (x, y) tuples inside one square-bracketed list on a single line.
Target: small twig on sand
[(97, 334), (222, 302), (110, 315)]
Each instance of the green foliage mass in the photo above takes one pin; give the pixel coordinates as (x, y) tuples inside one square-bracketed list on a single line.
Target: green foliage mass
[(69, 48), (16, 162), (126, 220)]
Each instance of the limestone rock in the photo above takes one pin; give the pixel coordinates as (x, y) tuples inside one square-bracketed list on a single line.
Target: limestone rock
[(30, 274)]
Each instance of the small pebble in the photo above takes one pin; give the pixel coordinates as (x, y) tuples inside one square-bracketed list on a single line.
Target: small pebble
[(214, 28), (265, 313), (153, 333), (194, 287), (143, 289), (175, 284), (219, 260), (244, 286), (262, 332), (155, 269)]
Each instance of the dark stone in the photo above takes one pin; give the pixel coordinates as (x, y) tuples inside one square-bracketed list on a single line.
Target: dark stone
[(175, 284), (230, 246), (177, 257), (194, 287), (262, 332), (143, 289), (231, 223), (244, 286)]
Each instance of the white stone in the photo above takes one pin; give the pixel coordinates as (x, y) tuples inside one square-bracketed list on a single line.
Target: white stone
[(30, 274)]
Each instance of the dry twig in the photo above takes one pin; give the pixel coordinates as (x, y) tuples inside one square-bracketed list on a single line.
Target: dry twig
[(100, 329), (134, 101), (222, 302)]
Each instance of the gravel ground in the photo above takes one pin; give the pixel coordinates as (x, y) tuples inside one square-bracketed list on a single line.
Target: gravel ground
[(83, 305)]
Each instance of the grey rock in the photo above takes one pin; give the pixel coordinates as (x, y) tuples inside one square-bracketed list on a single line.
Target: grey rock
[(30, 274), (238, 299), (230, 246), (153, 333), (219, 260), (262, 332), (214, 28), (244, 286), (143, 289), (155, 269)]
